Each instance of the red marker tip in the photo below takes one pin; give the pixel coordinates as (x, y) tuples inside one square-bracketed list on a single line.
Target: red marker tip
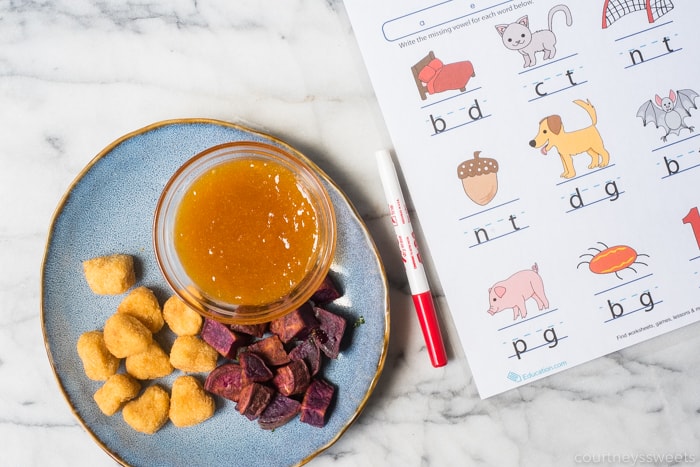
[(431, 328)]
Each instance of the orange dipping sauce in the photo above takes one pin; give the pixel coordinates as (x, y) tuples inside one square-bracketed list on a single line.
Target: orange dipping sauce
[(245, 232)]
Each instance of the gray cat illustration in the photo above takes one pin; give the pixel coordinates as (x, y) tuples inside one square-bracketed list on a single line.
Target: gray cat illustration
[(517, 36)]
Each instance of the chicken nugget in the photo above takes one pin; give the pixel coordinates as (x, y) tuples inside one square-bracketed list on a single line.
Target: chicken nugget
[(125, 335), (142, 304), (99, 364), (189, 403), (192, 354), (182, 320), (118, 389), (151, 364), (110, 275), (149, 412)]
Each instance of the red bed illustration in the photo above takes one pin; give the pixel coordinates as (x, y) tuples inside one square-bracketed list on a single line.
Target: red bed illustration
[(432, 76)]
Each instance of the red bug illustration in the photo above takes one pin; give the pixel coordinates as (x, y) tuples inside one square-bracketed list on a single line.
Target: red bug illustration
[(612, 259)]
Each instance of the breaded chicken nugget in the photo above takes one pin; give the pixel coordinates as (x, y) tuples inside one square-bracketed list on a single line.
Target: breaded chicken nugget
[(189, 403), (125, 335), (110, 275), (98, 362), (149, 412), (181, 319), (142, 304), (192, 354), (151, 364), (118, 389)]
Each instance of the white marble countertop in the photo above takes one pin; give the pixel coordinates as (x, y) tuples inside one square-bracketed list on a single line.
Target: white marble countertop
[(76, 75)]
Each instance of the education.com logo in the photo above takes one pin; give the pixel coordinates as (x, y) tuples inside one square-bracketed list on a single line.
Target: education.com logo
[(514, 377), (520, 377)]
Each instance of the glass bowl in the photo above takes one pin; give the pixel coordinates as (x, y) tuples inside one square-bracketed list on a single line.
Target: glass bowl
[(244, 232)]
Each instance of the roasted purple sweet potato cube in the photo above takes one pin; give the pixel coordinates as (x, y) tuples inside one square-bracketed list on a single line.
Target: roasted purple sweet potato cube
[(254, 368), (296, 324), (293, 378), (255, 330), (330, 332), (327, 292), (271, 350), (226, 381), (278, 412), (316, 401), (309, 352), (222, 338), (253, 399)]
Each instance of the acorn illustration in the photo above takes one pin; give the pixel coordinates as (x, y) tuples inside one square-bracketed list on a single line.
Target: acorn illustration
[(479, 178)]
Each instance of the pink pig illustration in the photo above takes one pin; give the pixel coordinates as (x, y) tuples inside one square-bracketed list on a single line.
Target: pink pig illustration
[(514, 291)]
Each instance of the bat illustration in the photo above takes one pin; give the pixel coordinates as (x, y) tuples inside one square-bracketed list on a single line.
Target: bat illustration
[(669, 112)]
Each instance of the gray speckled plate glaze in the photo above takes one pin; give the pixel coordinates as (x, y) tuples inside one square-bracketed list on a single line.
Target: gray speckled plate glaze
[(109, 209)]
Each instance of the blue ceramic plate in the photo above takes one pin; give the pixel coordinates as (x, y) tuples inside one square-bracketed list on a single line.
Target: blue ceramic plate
[(109, 209)]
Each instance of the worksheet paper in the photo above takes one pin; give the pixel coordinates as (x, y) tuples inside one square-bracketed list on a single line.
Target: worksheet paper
[(549, 151)]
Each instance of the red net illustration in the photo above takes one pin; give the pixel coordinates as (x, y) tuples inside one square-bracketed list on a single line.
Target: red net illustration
[(616, 9)]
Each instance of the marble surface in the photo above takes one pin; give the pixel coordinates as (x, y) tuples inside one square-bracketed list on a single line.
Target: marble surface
[(75, 75)]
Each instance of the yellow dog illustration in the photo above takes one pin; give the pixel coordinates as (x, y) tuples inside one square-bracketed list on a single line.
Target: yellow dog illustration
[(551, 134)]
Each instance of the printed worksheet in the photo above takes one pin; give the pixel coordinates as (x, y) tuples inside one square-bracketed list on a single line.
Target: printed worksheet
[(550, 151)]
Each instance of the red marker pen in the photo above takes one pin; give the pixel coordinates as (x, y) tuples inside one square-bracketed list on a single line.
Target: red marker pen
[(418, 283)]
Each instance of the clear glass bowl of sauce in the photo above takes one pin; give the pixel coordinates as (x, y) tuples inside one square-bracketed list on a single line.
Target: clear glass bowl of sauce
[(244, 232)]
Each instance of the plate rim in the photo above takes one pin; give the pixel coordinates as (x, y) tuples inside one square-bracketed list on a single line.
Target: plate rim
[(198, 120)]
